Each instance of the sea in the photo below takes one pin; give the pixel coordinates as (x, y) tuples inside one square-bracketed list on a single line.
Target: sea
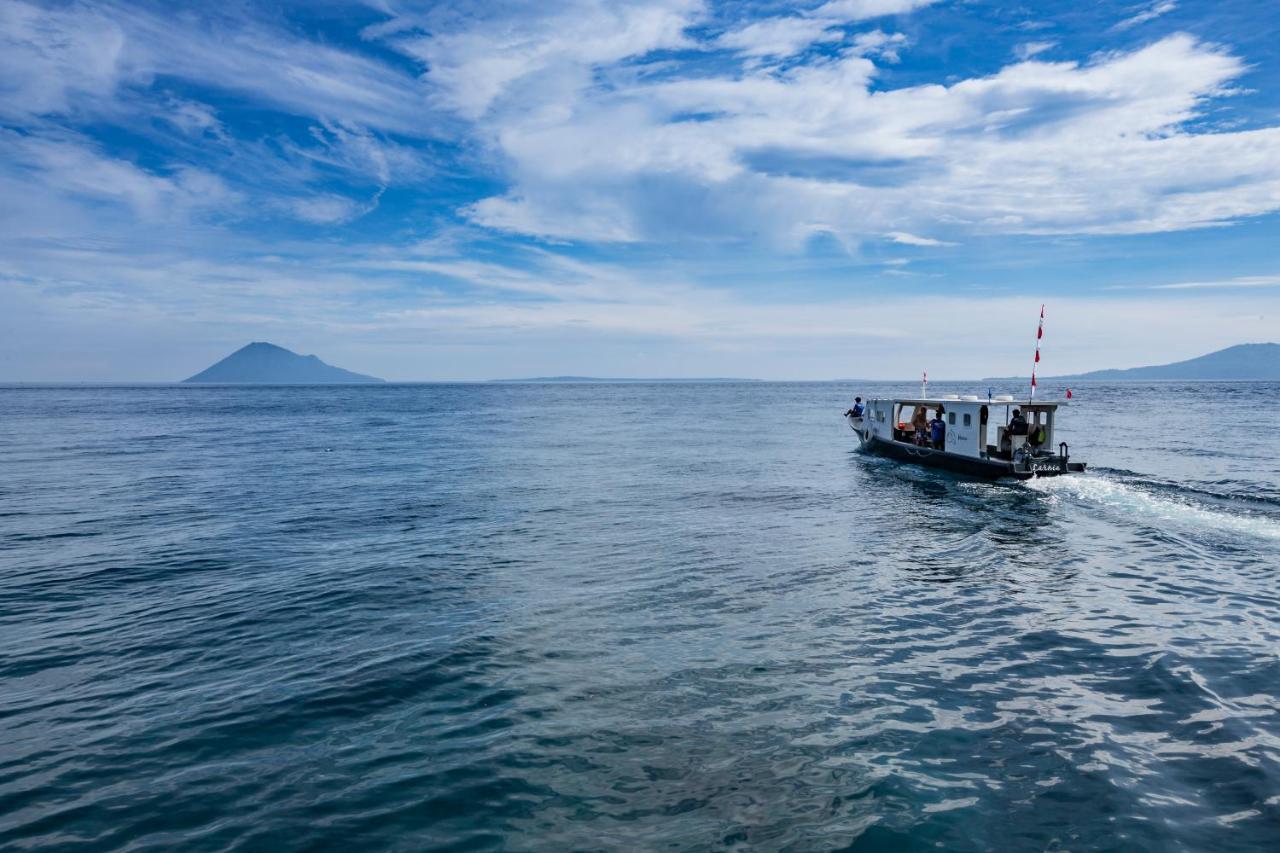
[(630, 617)]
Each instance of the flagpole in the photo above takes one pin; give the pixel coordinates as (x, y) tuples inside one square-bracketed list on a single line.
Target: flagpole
[(1034, 364)]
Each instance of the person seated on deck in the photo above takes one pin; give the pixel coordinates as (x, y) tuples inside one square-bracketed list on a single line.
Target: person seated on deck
[(920, 425), (937, 430), (856, 410), (1017, 423), (1016, 434)]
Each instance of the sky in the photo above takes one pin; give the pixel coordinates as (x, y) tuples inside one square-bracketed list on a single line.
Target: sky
[(459, 191)]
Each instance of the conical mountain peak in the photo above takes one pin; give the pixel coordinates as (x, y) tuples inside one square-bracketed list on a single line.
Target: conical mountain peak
[(264, 363)]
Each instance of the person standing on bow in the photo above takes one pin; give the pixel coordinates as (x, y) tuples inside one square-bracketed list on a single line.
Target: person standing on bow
[(938, 430)]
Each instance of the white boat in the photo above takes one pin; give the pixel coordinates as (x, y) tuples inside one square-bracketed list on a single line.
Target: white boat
[(978, 439)]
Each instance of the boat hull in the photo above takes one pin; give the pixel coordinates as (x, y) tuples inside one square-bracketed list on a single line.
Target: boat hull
[(989, 469)]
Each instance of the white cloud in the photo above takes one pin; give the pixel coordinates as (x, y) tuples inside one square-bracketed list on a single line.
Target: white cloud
[(1029, 49), (50, 59), (1044, 148), (600, 143), (864, 10), (65, 65), (780, 36), (787, 35), (609, 123), (56, 61), (1240, 281), (36, 167), (912, 240), (475, 58), (1155, 10), (194, 119), (418, 303), (879, 43), (325, 209)]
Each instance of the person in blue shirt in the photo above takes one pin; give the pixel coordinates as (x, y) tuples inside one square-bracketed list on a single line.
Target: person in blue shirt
[(857, 410), (937, 429)]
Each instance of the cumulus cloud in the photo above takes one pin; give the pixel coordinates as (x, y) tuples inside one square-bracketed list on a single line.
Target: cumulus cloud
[(1098, 147)]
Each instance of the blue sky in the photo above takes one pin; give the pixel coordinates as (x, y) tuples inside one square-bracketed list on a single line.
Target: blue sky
[(669, 188)]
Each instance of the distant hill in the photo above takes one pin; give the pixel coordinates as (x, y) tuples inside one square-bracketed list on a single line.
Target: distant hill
[(1243, 361), (267, 364), (607, 379)]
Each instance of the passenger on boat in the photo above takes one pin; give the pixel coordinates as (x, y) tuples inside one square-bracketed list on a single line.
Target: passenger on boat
[(938, 430), (1036, 436), (856, 410), (1017, 423), (920, 425)]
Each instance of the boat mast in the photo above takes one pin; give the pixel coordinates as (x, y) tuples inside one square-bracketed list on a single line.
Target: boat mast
[(924, 385), (1039, 335)]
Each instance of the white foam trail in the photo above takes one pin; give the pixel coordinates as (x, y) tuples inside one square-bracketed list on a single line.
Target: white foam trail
[(1129, 500)]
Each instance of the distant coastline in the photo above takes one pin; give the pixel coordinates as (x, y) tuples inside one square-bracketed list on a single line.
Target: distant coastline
[(1239, 363), (266, 364), (614, 380)]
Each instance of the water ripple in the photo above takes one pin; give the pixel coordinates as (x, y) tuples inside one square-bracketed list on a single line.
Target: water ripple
[(585, 617)]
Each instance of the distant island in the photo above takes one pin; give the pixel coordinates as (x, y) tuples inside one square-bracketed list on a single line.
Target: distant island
[(262, 363), (1254, 362), (606, 379)]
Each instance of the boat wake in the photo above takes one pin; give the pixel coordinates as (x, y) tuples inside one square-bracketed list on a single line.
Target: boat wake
[(1134, 500)]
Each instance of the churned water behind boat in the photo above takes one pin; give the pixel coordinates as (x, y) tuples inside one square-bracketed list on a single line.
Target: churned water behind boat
[(630, 616)]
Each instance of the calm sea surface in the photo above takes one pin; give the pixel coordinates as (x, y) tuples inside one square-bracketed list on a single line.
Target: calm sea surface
[(564, 617)]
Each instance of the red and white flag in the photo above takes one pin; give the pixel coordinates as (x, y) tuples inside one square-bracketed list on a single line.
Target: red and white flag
[(1039, 335)]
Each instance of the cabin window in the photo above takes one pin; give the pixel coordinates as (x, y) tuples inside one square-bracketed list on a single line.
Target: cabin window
[(951, 418), (880, 416), (968, 419)]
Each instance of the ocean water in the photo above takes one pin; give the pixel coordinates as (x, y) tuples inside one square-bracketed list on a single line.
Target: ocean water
[(553, 617)]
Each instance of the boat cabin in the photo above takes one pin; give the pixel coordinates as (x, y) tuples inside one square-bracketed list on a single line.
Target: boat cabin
[(975, 428)]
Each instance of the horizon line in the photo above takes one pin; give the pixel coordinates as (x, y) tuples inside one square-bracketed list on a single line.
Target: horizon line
[(552, 381)]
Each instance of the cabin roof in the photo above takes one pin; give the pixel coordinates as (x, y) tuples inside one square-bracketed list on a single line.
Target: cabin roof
[(934, 401)]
